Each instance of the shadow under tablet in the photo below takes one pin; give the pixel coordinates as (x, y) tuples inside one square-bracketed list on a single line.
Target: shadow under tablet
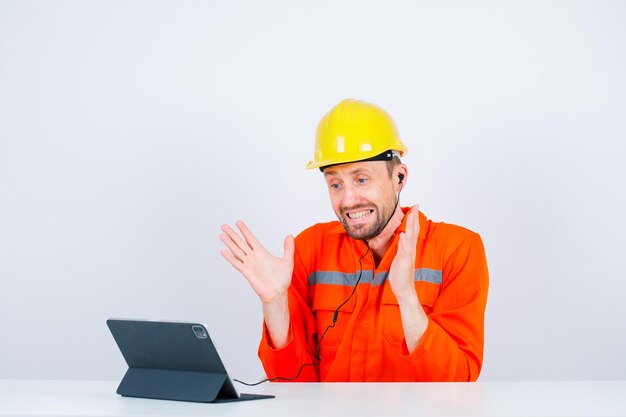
[(173, 361)]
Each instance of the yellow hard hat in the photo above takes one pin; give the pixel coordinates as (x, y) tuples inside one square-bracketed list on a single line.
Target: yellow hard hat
[(354, 131)]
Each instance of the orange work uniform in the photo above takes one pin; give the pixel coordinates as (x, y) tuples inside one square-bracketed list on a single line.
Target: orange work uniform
[(367, 341)]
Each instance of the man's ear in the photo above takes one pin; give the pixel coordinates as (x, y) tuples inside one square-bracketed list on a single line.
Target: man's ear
[(402, 175)]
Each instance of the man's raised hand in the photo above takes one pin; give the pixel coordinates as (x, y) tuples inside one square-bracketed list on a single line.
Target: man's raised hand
[(401, 272), (268, 275)]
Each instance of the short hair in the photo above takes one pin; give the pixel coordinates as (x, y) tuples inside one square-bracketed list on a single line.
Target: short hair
[(392, 163)]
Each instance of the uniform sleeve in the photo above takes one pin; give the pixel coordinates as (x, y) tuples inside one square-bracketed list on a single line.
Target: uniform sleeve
[(451, 348), (297, 360)]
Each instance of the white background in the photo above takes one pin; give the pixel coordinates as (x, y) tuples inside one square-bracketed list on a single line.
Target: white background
[(130, 130)]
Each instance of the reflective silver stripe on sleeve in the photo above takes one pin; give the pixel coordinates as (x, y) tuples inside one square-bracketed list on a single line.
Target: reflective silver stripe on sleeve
[(341, 278), (428, 275)]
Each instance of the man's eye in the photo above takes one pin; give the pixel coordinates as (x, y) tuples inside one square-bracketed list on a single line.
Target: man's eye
[(335, 186), (361, 180)]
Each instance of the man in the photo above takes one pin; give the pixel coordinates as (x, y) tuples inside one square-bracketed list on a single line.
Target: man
[(382, 295)]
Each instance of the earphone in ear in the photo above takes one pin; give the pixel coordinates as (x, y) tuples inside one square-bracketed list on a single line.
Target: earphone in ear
[(401, 177)]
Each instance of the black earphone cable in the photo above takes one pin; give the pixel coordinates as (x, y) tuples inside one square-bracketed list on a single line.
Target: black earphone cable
[(336, 313)]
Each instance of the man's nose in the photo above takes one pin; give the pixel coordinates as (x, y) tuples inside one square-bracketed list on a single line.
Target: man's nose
[(351, 195)]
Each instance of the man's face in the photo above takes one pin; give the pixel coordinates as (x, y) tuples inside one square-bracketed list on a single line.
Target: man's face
[(362, 195)]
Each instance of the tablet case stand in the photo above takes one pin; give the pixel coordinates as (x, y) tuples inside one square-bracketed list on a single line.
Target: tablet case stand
[(172, 384)]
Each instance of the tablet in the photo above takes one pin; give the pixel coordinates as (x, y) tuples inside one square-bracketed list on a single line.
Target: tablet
[(172, 361)]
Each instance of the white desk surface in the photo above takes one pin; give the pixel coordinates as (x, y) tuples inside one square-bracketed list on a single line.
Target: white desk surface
[(98, 398)]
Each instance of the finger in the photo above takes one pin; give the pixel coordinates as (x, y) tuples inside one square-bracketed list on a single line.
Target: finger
[(408, 240), (234, 249), (410, 226), (417, 220), (248, 235), (289, 247), (415, 226), (238, 265), (237, 240)]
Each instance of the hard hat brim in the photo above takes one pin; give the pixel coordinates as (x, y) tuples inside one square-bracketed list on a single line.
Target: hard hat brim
[(387, 155)]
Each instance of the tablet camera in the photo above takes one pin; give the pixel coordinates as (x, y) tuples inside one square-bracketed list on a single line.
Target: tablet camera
[(199, 331)]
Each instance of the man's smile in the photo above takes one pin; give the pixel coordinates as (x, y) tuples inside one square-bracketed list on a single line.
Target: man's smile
[(356, 215)]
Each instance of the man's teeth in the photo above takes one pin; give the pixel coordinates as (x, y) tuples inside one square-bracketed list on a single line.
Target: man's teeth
[(359, 214)]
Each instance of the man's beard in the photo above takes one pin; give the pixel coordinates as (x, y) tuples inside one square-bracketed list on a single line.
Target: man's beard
[(364, 232)]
